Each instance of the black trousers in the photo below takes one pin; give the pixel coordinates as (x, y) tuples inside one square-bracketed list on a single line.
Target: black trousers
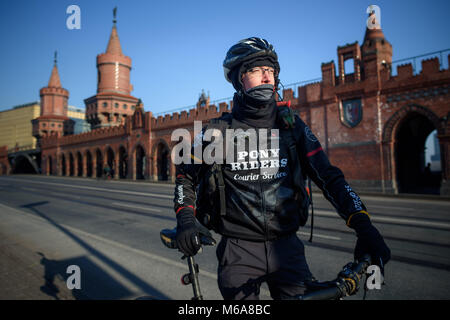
[(244, 265)]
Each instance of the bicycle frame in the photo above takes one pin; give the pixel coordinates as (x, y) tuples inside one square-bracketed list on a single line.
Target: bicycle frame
[(346, 283), (168, 239)]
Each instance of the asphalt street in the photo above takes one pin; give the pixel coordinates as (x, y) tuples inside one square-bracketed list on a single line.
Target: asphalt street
[(110, 229)]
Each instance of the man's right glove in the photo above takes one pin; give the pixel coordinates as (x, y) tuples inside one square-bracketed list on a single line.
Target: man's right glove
[(188, 236), (369, 240)]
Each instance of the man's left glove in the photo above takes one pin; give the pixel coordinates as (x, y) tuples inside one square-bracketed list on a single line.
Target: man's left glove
[(369, 240), (188, 233)]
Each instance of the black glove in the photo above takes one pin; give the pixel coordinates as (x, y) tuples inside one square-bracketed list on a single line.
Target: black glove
[(369, 241), (188, 233)]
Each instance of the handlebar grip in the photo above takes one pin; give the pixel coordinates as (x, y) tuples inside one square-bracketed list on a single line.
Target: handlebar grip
[(207, 240), (168, 238), (344, 285), (362, 264)]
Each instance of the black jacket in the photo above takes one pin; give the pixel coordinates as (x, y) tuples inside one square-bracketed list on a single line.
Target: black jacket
[(260, 196)]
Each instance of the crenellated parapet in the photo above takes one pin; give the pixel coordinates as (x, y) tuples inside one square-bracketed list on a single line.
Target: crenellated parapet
[(329, 88), (309, 93), (431, 77), (183, 118), (85, 137)]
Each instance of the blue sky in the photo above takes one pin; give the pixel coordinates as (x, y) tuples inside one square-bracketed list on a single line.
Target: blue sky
[(177, 47)]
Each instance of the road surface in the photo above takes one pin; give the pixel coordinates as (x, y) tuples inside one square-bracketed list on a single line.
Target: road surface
[(110, 230)]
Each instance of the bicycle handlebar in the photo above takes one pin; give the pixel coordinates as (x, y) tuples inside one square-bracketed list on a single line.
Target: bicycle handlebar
[(168, 238), (346, 283)]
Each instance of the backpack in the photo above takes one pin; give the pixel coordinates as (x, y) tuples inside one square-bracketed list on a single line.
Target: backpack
[(210, 193)]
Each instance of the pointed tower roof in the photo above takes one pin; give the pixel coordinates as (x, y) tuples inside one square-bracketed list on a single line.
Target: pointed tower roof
[(114, 43), (54, 81)]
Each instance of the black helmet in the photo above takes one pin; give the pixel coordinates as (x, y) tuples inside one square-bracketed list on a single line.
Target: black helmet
[(245, 51)]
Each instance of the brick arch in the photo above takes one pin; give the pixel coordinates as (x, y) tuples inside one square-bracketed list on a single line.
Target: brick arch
[(85, 151), (72, 165), (156, 144), (122, 156), (159, 168), (390, 143), (79, 163), (121, 145), (113, 152), (88, 162), (109, 146), (98, 163), (23, 163), (133, 149), (62, 163), (397, 118), (139, 170)]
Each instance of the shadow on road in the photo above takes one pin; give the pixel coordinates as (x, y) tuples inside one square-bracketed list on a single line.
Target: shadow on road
[(95, 282)]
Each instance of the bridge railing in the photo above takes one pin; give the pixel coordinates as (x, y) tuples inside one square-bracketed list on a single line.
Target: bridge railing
[(415, 62), (16, 149)]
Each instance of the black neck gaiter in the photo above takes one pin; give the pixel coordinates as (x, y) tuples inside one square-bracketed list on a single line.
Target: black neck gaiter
[(256, 107)]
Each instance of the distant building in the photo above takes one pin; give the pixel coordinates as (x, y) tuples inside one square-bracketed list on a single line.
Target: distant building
[(15, 126), (79, 117)]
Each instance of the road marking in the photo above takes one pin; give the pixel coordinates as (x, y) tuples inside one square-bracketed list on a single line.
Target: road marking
[(99, 189), (319, 235), (135, 207), (156, 257), (53, 193), (59, 194), (28, 189), (154, 184), (403, 221)]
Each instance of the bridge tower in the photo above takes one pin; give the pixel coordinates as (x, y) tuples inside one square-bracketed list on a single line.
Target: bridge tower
[(376, 51), (113, 102), (53, 118)]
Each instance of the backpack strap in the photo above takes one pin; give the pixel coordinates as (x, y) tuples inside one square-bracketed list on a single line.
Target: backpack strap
[(221, 186), (222, 123)]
